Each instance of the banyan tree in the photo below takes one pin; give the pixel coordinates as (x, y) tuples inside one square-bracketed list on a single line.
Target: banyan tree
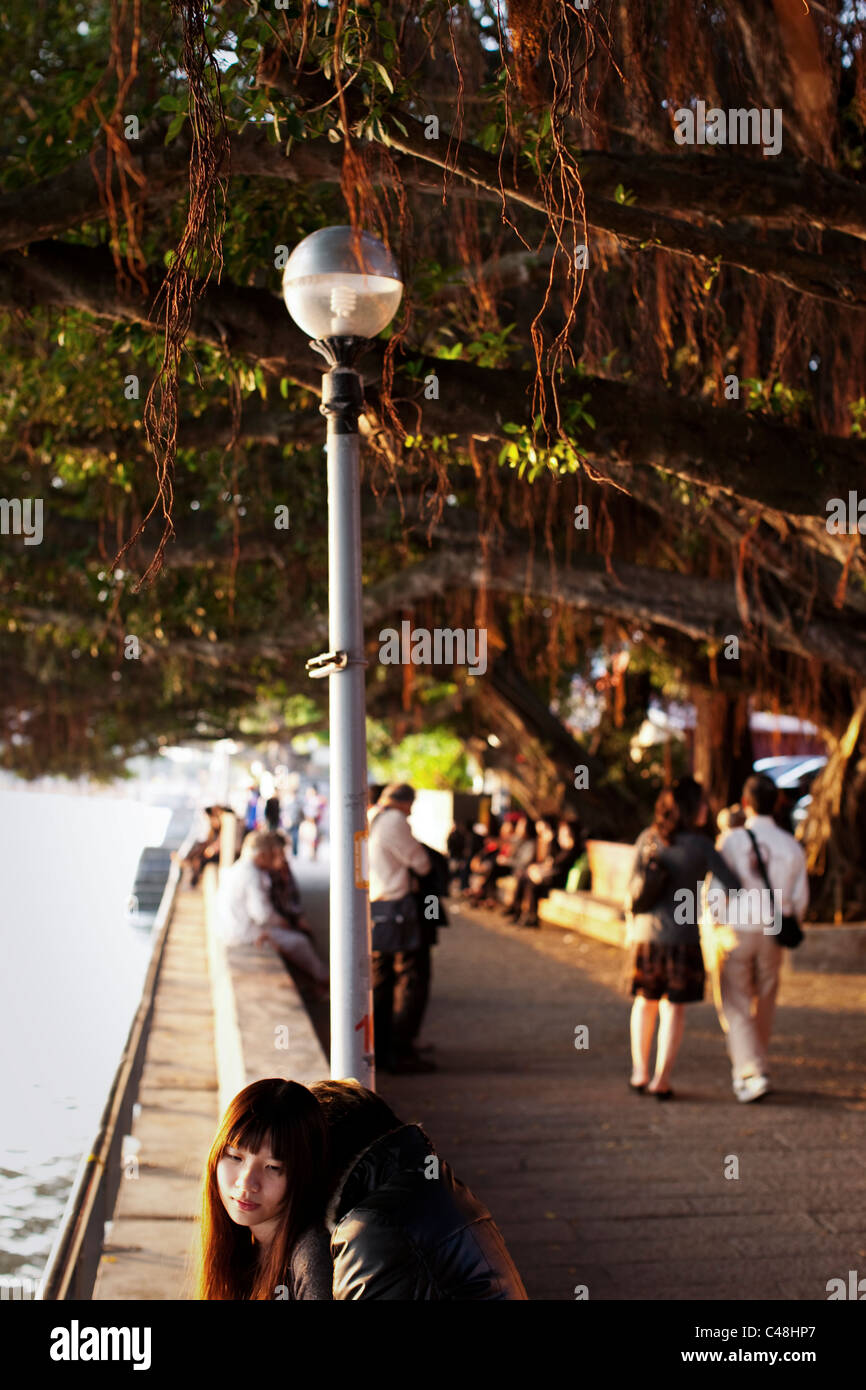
[(621, 411)]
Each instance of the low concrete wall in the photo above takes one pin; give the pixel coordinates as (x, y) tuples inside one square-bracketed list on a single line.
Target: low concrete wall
[(828, 949), (584, 913), (261, 1026)]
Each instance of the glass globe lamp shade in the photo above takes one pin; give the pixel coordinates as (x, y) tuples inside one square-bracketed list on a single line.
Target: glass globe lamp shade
[(338, 283)]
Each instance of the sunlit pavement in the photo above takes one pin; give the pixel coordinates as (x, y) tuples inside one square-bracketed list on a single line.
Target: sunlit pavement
[(593, 1185)]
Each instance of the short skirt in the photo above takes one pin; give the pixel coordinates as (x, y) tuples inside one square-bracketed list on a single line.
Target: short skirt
[(673, 972)]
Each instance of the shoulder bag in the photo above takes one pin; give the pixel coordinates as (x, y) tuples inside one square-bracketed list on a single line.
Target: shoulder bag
[(648, 882), (396, 925), (791, 933)]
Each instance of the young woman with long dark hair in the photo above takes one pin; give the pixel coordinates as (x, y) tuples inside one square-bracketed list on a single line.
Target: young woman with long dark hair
[(672, 859), (264, 1196)]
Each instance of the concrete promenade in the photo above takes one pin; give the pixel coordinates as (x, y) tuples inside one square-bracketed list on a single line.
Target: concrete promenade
[(592, 1185), (149, 1253)]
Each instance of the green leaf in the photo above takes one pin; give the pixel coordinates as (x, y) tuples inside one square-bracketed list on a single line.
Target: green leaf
[(384, 74), (175, 126)]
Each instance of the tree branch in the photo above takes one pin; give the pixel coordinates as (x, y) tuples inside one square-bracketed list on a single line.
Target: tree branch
[(791, 470)]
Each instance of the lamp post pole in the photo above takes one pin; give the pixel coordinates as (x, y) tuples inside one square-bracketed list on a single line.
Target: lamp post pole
[(351, 998), (342, 287)]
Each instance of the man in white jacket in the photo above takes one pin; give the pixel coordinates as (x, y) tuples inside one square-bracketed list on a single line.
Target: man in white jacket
[(748, 974), (246, 915), (398, 974)]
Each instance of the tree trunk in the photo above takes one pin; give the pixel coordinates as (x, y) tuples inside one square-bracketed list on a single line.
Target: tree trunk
[(834, 834), (722, 745), (540, 761)]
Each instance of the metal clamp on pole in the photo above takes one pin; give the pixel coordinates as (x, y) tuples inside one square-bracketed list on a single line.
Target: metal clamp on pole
[(326, 664)]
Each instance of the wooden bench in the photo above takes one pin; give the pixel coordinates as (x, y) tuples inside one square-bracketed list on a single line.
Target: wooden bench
[(599, 912)]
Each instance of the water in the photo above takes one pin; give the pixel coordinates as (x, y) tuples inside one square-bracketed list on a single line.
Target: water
[(72, 973)]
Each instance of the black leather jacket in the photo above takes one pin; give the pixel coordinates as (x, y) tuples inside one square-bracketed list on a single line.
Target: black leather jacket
[(397, 1233)]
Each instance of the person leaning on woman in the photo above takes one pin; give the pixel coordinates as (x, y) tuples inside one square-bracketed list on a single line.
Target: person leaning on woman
[(672, 859)]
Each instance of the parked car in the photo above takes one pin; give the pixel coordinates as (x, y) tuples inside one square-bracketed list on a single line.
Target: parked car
[(794, 776)]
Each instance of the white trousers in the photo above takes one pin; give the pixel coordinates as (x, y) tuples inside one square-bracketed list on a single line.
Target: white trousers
[(747, 980), (300, 951)]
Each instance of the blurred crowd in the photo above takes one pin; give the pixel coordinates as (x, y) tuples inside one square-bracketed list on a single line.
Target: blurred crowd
[(534, 855), (258, 898)]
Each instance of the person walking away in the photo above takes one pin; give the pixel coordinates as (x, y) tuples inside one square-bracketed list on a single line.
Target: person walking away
[(308, 838), (246, 916), (748, 970), (403, 1226), (251, 811), (398, 937), (672, 858), (729, 818), (296, 815), (272, 814), (323, 817)]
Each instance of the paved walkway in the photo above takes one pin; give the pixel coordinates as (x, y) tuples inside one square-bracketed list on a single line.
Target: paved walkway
[(151, 1251), (593, 1185)]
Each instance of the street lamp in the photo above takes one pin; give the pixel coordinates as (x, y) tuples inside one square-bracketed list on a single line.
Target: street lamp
[(343, 287)]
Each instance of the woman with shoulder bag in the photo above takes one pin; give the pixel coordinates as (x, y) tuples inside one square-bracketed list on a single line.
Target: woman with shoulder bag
[(672, 859)]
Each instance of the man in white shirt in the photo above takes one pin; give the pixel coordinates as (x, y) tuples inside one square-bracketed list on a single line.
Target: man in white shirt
[(748, 973), (246, 915), (400, 972)]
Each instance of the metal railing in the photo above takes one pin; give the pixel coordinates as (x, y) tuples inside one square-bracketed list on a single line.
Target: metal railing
[(74, 1259)]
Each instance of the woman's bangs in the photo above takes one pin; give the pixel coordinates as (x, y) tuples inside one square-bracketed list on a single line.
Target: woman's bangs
[(252, 1134), (255, 1131)]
